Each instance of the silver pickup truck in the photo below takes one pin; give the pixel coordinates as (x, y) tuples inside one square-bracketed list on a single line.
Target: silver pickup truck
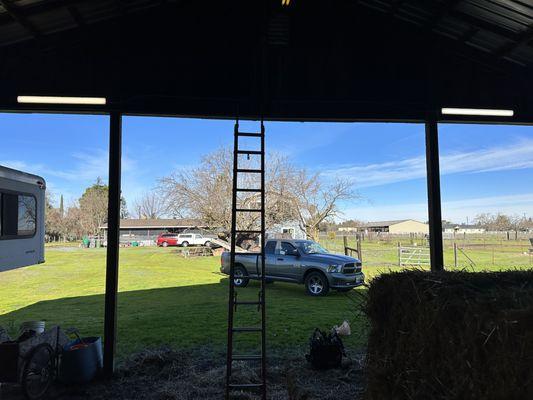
[(298, 261)]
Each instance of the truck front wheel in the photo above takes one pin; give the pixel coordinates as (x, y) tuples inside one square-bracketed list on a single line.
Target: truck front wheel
[(240, 277), (316, 284)]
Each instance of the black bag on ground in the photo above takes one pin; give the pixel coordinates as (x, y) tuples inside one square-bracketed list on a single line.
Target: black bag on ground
[(326, 350)]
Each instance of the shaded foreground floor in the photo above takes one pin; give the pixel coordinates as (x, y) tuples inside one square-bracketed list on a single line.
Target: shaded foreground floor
[(168, 375)]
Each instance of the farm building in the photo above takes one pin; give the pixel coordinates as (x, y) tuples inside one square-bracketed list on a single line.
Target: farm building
[(348, 229), (401, 226), (286, 230), (146, 231), (462, 229)]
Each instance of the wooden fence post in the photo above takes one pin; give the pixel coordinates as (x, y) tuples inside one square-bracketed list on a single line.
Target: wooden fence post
[(455, 254), (399, 254), (359, 249), (345, 241)]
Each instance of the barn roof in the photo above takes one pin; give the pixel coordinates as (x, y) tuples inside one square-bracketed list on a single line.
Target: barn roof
[(334, 60), (503, 28), (387, 223), (158, 223)]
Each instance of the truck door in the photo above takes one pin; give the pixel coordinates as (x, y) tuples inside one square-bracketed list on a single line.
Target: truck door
[(270, 258), (287, 262)]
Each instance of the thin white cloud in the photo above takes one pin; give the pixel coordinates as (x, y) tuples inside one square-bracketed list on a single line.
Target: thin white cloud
[(518, 155), (456, 210)]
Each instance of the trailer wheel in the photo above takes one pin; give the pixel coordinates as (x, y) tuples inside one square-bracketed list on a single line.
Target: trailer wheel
[(38, 372)]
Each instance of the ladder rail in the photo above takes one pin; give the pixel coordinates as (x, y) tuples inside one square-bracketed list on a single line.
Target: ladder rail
[(263, 264), (231, 298), (261, 257)]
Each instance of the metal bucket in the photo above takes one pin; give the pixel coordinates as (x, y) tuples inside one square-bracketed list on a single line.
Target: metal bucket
[(81, 361), (36, 326)]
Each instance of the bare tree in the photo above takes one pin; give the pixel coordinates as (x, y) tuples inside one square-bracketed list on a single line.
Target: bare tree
[(317, 201), (291, 194), (149, 206)]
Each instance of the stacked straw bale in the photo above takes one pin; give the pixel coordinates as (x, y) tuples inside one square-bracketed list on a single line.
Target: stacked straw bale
[(450, 335)]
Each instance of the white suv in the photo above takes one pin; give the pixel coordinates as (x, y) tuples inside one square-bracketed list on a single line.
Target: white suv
[(193, 239)]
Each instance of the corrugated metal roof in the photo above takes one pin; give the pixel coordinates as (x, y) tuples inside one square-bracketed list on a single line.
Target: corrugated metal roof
[(377, 224), (503, 28), (159, 223)]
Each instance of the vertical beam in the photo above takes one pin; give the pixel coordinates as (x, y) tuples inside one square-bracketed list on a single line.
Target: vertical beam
[(113, 223), (434, 200)]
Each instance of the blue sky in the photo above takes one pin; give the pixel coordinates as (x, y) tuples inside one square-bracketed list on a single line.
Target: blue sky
[(484, 168)]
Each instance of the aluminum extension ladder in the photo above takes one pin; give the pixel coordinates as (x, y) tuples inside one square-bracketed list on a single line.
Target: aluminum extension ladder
[(233, 302)]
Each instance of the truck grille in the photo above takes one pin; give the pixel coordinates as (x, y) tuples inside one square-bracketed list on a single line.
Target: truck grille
[(351, 268)]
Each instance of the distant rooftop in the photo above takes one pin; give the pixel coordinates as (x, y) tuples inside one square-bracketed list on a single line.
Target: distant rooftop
[(159, 223), (386, 223)]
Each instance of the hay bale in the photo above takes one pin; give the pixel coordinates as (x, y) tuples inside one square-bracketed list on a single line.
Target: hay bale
[(450, 335)]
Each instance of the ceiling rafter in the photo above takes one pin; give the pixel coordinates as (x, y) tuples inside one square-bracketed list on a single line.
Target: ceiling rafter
[(524, 38), (444, 10), (76, 16), (14, 12)]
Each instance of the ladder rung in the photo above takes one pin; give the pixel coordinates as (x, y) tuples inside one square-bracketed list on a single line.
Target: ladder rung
[(250, 253), (248, 210), (247, 357), (235, 386), (249, 171), (249, 152), (248, 231), (249, 190), (248, 303), (247, 329), (249, 134)]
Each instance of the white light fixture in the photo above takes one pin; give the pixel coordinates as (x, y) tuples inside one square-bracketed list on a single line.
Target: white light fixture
[(61, 100), (478, 111)]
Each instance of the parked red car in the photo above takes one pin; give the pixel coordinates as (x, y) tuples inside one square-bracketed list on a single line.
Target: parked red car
[(167, 239)]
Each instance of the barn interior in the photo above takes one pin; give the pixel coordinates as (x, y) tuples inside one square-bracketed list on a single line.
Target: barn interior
[(467, 61)]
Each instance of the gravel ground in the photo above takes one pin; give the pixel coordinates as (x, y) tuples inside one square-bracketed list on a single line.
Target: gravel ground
[(176, 375)]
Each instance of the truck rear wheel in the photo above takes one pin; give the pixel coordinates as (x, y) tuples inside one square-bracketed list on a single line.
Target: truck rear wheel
[(240, 277), (316, 284)]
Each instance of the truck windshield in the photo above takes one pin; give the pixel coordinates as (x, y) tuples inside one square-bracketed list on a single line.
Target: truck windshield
[(309, 247)]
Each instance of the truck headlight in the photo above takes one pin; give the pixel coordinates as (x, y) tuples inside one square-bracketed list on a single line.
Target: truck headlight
[(335, 268)]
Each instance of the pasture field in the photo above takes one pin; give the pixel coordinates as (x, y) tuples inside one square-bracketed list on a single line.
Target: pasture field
[(475, 253), (166, 299)]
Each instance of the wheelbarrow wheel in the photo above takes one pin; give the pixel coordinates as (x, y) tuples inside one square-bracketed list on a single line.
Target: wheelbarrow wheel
[(38, 373)]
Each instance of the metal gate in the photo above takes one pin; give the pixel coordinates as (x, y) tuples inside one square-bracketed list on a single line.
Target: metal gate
[(413, 256)]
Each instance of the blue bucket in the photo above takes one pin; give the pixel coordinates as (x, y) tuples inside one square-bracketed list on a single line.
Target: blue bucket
[(81, 364)]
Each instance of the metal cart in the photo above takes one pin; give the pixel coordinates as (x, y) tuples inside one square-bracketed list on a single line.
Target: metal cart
[(32, 362)]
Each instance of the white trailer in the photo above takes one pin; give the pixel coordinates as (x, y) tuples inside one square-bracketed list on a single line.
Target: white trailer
[(22, 204)]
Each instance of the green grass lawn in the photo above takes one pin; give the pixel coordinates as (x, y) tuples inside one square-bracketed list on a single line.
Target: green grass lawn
[(164, 300)]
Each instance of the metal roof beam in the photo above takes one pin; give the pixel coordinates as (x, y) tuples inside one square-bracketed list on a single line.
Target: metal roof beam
[(445, 9), (14, 12), (483, 25), (523, 39), (395, 6), (76, 16)]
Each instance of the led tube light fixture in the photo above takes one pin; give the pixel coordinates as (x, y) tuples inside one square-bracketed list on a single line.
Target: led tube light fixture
[(478, 111), (61, 100)]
